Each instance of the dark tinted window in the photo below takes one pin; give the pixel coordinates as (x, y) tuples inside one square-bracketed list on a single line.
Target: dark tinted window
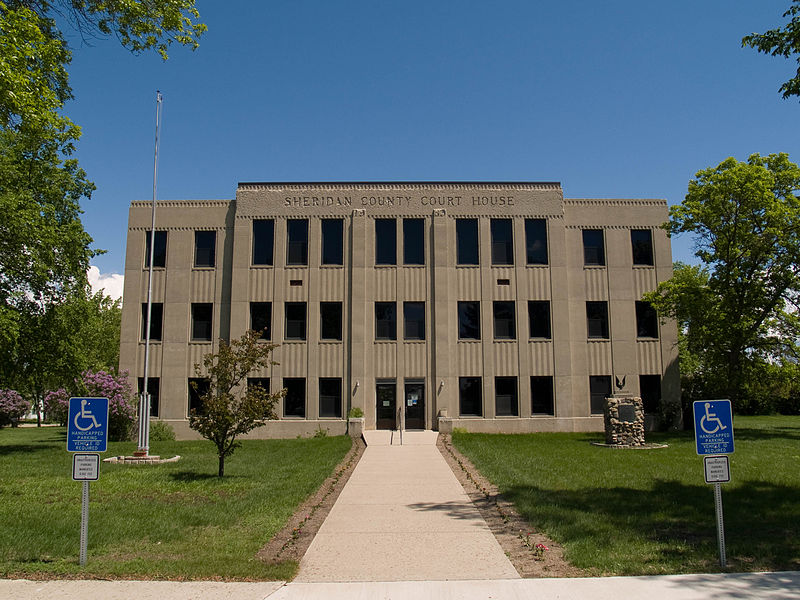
[(205, 246), (502, 242), (505, 396), (263, 241), (262, 382), (294, 404), (599, 390), (467, 241), (642, 245), (156, 320), (469, 320), (650, 390), (154, 387), (536, 241), (646, 321), (414, 320), (330, 320), (198, 386), (295, 321), (385, 321), (414, 241), (330, 397), (539, 318), (542, 395), (385, 242), (297, 242), (159, 252), (470, 396), (505, 324), (261, 318), (332, 241), (597, 319), (594, 252), (201, 322)]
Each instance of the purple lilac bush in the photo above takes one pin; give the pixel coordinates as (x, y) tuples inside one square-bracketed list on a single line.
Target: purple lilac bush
[(56, 405), (121, 400), (12, 407)]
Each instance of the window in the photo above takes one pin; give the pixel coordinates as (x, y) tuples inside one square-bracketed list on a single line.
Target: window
[(153, 387), (263, 241), (332, 241), (594, 252), (201, 322), (646, 320), (502, 242), (330, 397), (295, 321), (414, 241), (470, 397), (542, 395), (156, 320), (262, 382), (414, 320), (261, 318), (297, 242), (597, 320), (385, 321), (294, 403), (599, 390), (330, 320), (385, 242), (505, 327), (642, 245), (469, 320), (467, 241), (505, 397), (205, 247), (650, 391), (539, 318), (198, 387), (159, 252), (536, 241)]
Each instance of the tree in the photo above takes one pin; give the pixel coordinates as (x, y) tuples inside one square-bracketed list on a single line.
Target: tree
[(735, 311), (781, 42), (230, 408)]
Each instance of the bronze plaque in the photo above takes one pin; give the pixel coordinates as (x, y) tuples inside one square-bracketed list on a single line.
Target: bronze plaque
[(626, 413)]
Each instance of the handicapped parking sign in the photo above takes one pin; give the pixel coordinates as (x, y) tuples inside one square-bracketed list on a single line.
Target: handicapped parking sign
[(713, 426), (87, 425)]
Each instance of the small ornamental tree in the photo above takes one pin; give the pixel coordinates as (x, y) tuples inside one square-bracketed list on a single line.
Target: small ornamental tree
[(230, 408), (56, 406), (12, 407)]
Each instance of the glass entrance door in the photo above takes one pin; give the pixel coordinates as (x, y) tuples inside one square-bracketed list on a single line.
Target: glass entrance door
[(386, 405), (415, 404)]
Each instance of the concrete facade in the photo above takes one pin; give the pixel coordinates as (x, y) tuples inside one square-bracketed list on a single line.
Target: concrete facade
[(428, 374)]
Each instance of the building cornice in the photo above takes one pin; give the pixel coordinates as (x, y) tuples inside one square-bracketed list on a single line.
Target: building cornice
[(399, 185)]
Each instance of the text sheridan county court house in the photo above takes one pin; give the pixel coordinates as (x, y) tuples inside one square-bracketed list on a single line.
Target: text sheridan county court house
[(496, 307)]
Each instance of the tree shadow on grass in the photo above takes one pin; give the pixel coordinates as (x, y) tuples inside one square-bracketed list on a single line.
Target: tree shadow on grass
[(9, 449), (191, 476)]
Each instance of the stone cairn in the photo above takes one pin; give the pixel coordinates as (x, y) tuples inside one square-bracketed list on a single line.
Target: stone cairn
[(624, 420)]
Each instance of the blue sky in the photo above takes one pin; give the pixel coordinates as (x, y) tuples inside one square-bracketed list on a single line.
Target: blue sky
[(621, 98)]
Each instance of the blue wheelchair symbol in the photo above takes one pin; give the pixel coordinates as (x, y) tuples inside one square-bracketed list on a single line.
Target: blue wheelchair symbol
[(87, 425)]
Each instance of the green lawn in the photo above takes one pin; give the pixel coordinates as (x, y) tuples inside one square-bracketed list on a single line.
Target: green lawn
[(167, 521), (649, 511)]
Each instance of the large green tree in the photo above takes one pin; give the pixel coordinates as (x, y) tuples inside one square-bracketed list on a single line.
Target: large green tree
[(784, 41), (736, 309)]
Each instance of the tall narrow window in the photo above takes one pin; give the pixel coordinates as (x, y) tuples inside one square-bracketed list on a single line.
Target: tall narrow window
[(263, 241), (332, 241), (385, 321), (201, 322), (198, 387), (330, 397), (330, 320), (385, 242), (470, 397), (597, 320), (505, 323), (414, 320), (650, 391), (467, 241), (154, 388), (594, 252), (536, 241), (294, 403), (646, 320), (502, 242), (469, 320), (505, 397), (261, 318), (295, 321), (599, 390), (414, 241), (156, 320), (297, 242), (642, 246), (542, 395), (539, 318), (159, 252), (205, 248)]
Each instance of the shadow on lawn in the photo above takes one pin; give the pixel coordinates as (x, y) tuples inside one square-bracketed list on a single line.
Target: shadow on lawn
[(191, 476), (762, 521)]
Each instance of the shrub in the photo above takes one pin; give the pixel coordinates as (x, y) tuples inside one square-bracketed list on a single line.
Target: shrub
[(355, 413), (12, 407), (56, 406), (161, 432), (121, 402)]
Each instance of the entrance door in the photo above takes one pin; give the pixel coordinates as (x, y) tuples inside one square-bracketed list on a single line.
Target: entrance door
[(415, 405), (386, 406)]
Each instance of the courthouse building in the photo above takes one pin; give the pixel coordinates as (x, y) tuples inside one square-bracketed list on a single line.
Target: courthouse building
[(497, 307)]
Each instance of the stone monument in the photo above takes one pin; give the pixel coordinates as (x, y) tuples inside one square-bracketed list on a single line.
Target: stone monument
[(623, 416)]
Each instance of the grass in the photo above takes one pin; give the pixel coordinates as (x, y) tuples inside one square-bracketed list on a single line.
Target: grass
[(171, 521), (627, 512)]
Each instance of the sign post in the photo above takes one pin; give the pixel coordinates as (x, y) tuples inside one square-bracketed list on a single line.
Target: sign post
[(87, 432), (713, 432)]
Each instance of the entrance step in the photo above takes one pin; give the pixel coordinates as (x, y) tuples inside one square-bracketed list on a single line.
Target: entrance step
[(385, 437)]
